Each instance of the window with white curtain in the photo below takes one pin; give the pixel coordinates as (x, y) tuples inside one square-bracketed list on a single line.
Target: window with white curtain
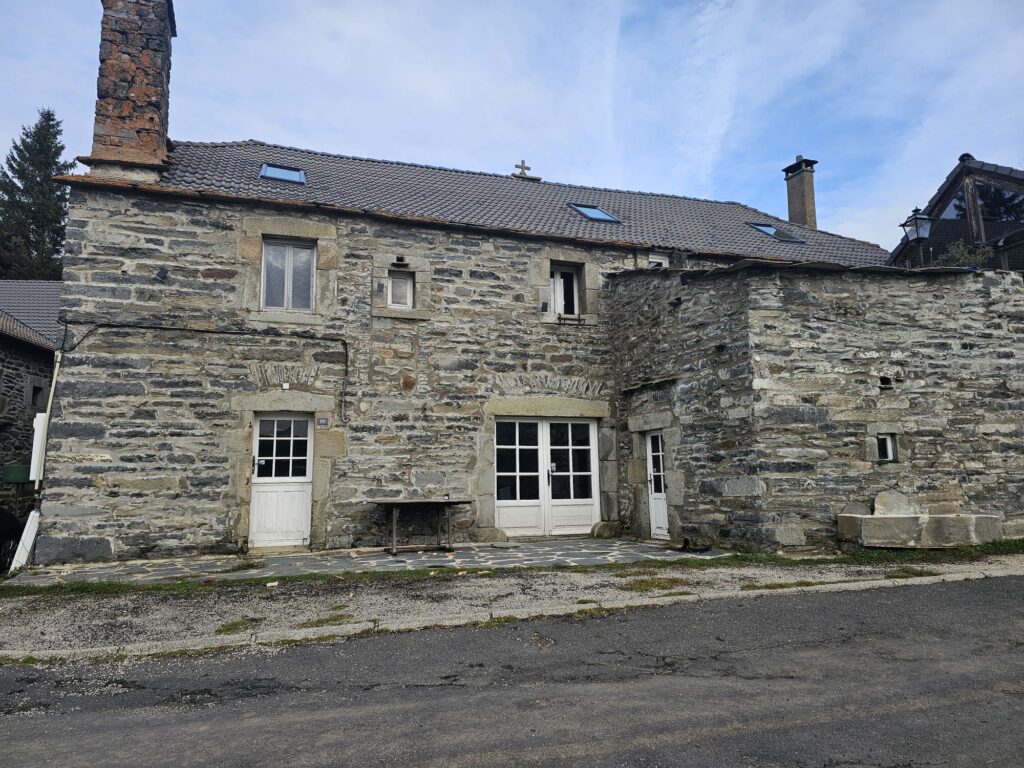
[(289, 275)]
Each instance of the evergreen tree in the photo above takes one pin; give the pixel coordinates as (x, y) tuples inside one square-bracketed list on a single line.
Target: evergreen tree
[(34, 207)]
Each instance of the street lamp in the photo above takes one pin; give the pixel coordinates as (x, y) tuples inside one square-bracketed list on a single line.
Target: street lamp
[(917, 227)]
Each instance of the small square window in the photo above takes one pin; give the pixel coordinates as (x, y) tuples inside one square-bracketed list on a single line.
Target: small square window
[(777, 232), (289, 275), (594, 213), (401, 289), (38, 397), (657, 261), (283, 173), (565, 292), (887, 447)]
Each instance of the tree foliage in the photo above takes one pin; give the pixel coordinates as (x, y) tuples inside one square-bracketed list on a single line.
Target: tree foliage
[(994, 204), (33, 207)]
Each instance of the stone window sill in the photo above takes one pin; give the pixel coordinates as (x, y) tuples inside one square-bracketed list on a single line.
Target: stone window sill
[(569, 321), (400, 314), (286, 317)]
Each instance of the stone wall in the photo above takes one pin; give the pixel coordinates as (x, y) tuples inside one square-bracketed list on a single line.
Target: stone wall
[(23, 367), (685, 370), (151, 445), (773, 386)]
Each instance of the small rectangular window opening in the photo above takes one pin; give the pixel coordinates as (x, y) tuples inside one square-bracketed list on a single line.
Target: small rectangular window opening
[(565, 290), (657, 261), (594, 213), (887, 448), (401, 289), (777, 232), (289, 272), (282, 173), (885, 382)]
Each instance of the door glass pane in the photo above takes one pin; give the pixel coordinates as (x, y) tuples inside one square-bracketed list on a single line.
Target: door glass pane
[(527, 433), (505, 432), (300, 428), (529, 487), (581, 487), (299, 448), (281, 467), (266, 448), (284, 428), (506, 487), (264, 468), (581, 434), (506, 460), (560, 458), (273, 275), (266, 428), (568, 293), (302, 278), (581, 460), (656, 463), (559, 433), (299, 468), (528, 459), (560, 487), (659, 483), (283, 448)]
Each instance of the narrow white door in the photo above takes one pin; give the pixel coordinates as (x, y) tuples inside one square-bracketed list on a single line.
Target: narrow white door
[(546, 476), (656, 485), (282, 480)]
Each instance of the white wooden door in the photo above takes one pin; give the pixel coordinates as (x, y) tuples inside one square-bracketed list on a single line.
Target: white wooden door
[(546, 476), (657, 504), (282, 480)]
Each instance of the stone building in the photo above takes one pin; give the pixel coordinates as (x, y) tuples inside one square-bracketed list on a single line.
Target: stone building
[(29, 334), (267, 344)]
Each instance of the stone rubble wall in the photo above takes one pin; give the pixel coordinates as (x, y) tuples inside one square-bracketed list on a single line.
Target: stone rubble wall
[(22, 366), (151, 444)]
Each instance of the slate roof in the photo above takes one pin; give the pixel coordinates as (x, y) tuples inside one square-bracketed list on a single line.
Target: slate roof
[(500, 202), (29, 310)]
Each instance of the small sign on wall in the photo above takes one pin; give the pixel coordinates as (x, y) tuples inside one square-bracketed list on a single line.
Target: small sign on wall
[(323, 422)]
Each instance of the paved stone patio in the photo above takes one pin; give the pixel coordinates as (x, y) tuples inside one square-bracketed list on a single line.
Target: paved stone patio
[(213, 568)]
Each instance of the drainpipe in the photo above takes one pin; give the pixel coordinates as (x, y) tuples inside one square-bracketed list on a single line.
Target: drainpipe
[(28, 536)]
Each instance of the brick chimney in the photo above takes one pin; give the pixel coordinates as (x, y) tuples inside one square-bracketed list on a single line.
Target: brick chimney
[(132, 91), (800, 191)]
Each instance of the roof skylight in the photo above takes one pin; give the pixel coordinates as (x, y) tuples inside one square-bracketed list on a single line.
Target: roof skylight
[(594, 213), (283, 173), (776, 232)]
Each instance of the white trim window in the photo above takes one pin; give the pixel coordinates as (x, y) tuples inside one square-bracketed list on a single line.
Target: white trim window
[(657, 261), (289, 275), (401, 289), (887, 447), (565, 290)]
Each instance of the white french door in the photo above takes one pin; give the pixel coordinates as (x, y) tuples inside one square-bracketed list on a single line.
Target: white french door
[(657, 503), (282, 480), (546, 476)]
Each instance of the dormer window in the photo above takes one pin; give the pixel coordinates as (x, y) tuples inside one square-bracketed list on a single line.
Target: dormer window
[(282, 173), (594, 213), (779, 234)]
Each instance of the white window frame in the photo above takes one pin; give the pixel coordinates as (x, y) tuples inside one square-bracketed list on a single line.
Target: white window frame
[(410, 294), (290, 246), (657, 261), (558, 272), (889, 440)]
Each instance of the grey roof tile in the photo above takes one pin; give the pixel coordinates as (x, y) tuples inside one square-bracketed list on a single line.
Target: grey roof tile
[(500, 202), (34, 304)]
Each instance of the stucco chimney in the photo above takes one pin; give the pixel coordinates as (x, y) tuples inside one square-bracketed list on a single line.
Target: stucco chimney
[(800, 191), (133, 86)]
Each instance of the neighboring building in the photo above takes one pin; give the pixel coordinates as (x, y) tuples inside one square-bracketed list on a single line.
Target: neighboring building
[(977, 218), (29, 334), (267, 343)]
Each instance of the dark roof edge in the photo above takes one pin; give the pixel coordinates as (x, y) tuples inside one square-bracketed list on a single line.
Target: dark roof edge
[(154, 189), (16, 329), (777, 265)]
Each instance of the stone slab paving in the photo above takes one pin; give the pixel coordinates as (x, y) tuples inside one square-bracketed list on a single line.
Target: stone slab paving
[(211, 568)]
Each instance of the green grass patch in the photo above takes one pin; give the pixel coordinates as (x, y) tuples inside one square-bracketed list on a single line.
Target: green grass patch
[(495, 621), (782, 584), (653, 584), (908, 572), (239, 625), (330, 620), (585, 601), (676, 593)]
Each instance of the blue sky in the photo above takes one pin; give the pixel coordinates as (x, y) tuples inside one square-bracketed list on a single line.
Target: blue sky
[(705, 98)]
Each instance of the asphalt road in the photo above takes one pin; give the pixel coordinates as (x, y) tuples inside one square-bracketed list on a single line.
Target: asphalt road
[(904, 677)]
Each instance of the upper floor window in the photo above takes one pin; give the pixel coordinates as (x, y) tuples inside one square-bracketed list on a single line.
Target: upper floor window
[(289, 275), (657, 261), (777, 232), (565, 289), (401, 289), (283, 173), (594, 213)]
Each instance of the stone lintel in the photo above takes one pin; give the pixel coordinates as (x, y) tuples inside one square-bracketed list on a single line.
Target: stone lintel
[(548, 406)]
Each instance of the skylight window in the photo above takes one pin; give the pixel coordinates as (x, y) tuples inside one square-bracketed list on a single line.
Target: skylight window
[(283, 173), (778, 234), (594, 213)]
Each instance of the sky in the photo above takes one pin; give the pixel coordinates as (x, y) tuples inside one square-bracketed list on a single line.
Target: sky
[(705, 98)]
